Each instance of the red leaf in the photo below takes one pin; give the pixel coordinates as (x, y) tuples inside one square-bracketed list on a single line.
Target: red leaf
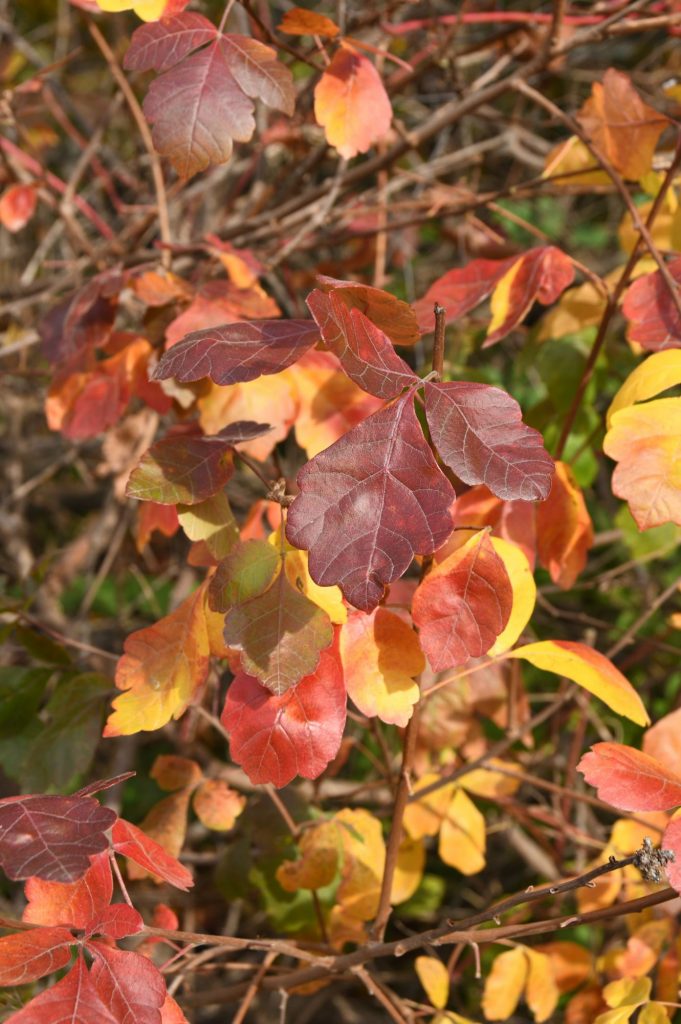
[(159, 45), (129, 985), (479, 432), (52, 837), (181, 470), (299, 733), (131, 842), (392, 316), (73, 1000), (171, 1013), (369, 503), (99, 785), (463, 604), (671, 840), (630, 779), (366, 353), (654, 321), (82, 321), (26, 956), (540, 275), (71, 903), (17, 206), (116, 922), (238, 352)]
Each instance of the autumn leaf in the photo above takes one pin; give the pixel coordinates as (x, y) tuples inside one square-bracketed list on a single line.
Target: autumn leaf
[(17, 206), (146, 10), (434, 977), (238, 352), (73, 1000), (463, 842), (524, 591), (479, 432), (152, 517), (505, 984), (381, 659), (51, 837), (538, 275), (424, 816), (671, 840), (27, 956), (409, 867), (364, 351), (83, 321), (621, 125), (655, 374), (589, 669), (212, 522), (71, 903), (218, 303), (654, 320), (161, 669), (629, 779), (317, 863), (644, 441), (564, 529), (166, 825), (296, 569), (369, 503), (181, 469), (129, 984), (391, 315), (202, 101), (217, 806), (300, 22), (351, 104), (663, 740), (245, 573), (463, 604), (362, 864), (131, 842), (275, 738)]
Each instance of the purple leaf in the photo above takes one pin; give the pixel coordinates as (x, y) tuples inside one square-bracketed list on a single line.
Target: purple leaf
[(159, 45), (181, 470), (369, 503), (479, 432), (238, 352)]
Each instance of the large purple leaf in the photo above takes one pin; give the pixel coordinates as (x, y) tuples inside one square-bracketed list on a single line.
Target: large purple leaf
[(51, 837), (238, 352), (365, 351), (479, 432), (159, 45), (181, 470), (369, 503)]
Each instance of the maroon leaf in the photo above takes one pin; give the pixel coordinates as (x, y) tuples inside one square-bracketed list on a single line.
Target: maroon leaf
[(181, 470), (73, 1000), (280, 634), (654, 321), (26, 956), (298, 733), (242, 430), (99, 785), (159, 45), (369, 503), (52, 837), (365, 351), (479, 432), (132, 842), (129, 984), (238, 352), (392, 316), (83, 320)]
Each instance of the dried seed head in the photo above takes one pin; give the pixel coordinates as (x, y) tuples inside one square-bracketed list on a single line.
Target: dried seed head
[(652, 862)]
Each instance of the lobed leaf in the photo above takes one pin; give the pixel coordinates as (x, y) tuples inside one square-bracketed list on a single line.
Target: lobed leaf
[(27, 956), (390, 314), (629, 779), (479, 432), (369, 503), (160, 45), (73, 1000)]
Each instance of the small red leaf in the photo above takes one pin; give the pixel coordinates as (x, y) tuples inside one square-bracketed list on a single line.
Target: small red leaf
[(654, 321), (630, 779), (26, 956), (132, 842), (116, 922), (238, 352), (52, 837), (463, 604), (71, 903), (17, 206), (365, 351), (73, 1000), (479, 432), (369, 503), (299, 733), (129, 984)]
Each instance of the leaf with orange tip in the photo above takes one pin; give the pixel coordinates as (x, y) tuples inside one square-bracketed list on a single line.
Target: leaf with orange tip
[(165, 824), (17, 206), (571, 964), (505, 984), (300, 22), (151, 517), (589, 669), (381, 658), (161, 669), (463, 604), (434, 977), (463, 842), (217, 806), (273, 399), (317, 863), (351, 104), (621, 126), (524, 593), (564, 529), (171, 1012), (391, 315), (644, 441), (630, 779), (131, 842)]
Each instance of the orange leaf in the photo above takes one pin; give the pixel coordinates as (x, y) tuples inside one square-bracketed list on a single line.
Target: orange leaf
[(564, 529), (630, 779), (381, 657), (161, 669), (351, 104), (17, 206), (425, 816), (166, 824), (663, 740), (317, 864), (173, 772), (300, 22), (363, 862), (411, 860), (217, 806)]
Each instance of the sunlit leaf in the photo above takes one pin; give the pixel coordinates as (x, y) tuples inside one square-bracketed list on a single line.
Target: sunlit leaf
[(654, 320), (564, 529), (655, 374), (505, 984), (629, 779), (351, 104), (434, 977), (524, 593), (131, 842), (217, 806), (463, 842)]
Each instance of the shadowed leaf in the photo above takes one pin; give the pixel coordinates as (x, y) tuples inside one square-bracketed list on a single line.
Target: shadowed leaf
[(181, 470)]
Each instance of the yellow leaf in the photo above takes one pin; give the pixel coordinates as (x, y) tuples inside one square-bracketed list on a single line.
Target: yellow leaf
[(501, 296), (646, 442), (424, 817), (571, 162), (161, 669), (504, 984), (434, 977), (658, 372), (524, 593), (147, 10), (589, 669), (270, 399), (487, 782), (217, 806), (329, 599), (576, 309), (462, 836), (653, 1013), (211, 521), (627, 992), (317, 863), (411, 858), (363, 863), (381, 656), (541, 994)]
